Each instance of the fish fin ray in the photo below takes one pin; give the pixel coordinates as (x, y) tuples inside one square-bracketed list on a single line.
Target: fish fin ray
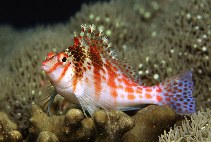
[(46, 91), (177, 93), (90, 104), (47, 96), (129, 108), (98, 46)]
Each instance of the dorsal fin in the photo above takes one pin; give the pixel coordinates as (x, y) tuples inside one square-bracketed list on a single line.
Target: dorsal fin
[(99, 51), (128, 71)]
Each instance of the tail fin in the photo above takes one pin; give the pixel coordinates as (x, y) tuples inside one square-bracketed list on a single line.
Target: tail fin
[(177, 93)]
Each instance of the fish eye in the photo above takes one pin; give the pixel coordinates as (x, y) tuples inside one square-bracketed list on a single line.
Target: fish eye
[(62, 57)]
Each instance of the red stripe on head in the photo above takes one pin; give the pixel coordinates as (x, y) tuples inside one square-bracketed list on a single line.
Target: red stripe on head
[(53, 68), (63, 72)]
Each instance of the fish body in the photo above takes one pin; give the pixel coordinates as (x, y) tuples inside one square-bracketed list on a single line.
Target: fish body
[(87, 73)]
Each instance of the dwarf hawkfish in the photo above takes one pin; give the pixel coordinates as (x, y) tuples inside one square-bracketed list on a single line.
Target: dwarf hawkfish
[(89, 74)]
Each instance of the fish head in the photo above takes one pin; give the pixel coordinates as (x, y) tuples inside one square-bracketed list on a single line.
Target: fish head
[(58, 68)]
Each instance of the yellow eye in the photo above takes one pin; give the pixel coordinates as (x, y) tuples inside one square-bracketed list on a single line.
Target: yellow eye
[(62, 57)]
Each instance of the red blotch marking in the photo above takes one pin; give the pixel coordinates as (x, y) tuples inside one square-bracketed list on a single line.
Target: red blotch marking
[(175, 88), (111, 83), (179, 90), (103, 70), (76, 41), (166, 94), (138, 91), (63, 72), (175, 83), (84, 69), (171, 95), (86, 80), (124, 76), (139, 88), (159, 98), (119, 80), (111, 79), (120, 87), (168, 99), (175, 99), (180, 84), (159, 90), (126, 82), (148, 96), (131, 97), (178, 104), (149, 90), (129, 90), (115, 69), (169, 90), (134, 84), (114, 93), (89, 67), (103, 77)]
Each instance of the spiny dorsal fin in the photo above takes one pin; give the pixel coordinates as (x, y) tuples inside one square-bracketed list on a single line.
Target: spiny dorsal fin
[(96, 48), (128, 71)]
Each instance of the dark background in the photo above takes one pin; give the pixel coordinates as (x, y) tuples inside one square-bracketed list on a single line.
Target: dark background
[(27, 13)]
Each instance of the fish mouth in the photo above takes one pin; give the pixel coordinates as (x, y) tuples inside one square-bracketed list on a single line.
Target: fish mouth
[(44, 67)]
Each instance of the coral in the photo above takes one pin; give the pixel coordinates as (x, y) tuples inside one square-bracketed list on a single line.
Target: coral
[(8, 130), (46, 136), (111, 125), (198, 128), (73, 126), (22, 77), (149, 123)]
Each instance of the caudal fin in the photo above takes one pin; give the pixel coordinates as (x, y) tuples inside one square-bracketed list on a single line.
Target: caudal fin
[(177, 93)]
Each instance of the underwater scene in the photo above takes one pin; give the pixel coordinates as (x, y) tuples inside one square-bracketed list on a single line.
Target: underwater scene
[(114, 71)]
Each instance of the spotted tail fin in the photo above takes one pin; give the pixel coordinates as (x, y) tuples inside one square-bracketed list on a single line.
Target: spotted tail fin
[(177, 93)]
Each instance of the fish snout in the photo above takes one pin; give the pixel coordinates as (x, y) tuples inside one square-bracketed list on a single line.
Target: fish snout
[(44, 66)]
